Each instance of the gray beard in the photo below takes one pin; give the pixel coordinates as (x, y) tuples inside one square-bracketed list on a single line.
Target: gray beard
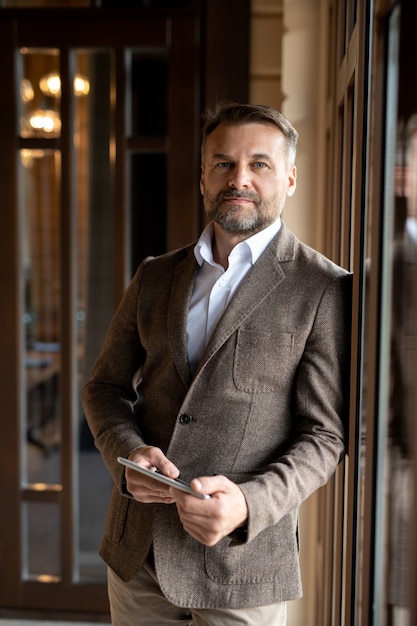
[(228, 221), (251, 224)]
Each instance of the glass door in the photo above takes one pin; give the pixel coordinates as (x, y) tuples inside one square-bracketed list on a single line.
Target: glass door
[(92, 120), (56, 241)]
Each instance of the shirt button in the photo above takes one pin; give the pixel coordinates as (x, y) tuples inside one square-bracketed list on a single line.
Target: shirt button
[(185, 419)]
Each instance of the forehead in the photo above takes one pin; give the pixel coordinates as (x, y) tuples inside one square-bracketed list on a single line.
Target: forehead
[(252, 138)]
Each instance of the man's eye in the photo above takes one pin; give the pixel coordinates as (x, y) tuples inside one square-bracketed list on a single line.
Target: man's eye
[(223, 165), (259, 165)]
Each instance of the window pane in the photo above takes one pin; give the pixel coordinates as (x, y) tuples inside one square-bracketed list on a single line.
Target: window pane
[(148, 206), (91, 255), (95, 278), (40, 200), (149, 105), (40, 89), (41, 541), (401, 339)]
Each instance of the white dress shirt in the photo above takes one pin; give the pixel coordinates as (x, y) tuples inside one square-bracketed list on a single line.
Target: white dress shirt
[(214, 286)]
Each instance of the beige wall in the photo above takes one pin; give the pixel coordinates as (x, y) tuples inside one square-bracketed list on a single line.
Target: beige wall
[(267, 26), (288, 70)]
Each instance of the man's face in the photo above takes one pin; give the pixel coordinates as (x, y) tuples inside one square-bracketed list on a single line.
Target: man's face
[(245, 177)]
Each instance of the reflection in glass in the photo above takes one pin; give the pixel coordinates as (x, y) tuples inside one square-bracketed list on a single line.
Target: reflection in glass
[(403, 387), (389, 366)]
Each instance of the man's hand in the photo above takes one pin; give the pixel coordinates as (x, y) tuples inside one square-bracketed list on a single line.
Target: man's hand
[(209, 521), (145, 489)]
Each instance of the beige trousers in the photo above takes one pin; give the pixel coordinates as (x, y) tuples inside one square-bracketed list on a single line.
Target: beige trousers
[(140, 602)]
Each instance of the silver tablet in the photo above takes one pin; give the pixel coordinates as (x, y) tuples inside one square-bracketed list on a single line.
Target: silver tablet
[(177, 483)]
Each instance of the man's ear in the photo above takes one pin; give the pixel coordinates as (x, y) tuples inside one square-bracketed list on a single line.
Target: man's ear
[(202, 181), (292, 180)]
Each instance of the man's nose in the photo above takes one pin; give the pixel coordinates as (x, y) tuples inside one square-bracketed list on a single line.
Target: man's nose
[(239, 177)]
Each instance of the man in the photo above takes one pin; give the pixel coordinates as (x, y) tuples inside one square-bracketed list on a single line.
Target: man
[(403, 391), (237, 347)]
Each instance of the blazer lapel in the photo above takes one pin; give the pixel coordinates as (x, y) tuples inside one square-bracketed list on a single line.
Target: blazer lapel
[(182, 286), (264, 276)]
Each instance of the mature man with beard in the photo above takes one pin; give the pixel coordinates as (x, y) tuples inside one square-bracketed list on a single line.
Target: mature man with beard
[(227, 362), (403, 396)]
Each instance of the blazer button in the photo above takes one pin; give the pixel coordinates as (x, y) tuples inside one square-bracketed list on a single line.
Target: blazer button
[(185, 419)]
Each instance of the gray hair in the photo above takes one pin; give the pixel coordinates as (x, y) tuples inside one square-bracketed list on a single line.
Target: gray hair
[(235, 114)]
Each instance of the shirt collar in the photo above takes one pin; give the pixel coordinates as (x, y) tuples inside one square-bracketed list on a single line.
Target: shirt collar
[(255, 244)]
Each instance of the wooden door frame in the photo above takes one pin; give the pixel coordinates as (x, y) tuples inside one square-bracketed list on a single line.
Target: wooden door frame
[(73, 28)]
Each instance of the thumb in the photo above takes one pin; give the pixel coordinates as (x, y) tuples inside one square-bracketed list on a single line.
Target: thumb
[(197, 485), (208, 484)]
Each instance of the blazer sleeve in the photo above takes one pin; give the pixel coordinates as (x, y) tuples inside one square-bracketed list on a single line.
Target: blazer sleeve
[(321, 391), (109, 395)]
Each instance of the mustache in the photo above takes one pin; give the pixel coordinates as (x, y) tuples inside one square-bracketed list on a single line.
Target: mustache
[(235, 193)]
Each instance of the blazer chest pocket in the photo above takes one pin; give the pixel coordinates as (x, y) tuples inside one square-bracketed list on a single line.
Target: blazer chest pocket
[(264, 362)]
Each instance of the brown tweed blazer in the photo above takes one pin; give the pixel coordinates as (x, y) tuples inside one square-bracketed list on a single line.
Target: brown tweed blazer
[(267, 406)]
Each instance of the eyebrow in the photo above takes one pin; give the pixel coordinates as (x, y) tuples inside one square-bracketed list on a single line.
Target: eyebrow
[(256, 156), (261, 156)]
